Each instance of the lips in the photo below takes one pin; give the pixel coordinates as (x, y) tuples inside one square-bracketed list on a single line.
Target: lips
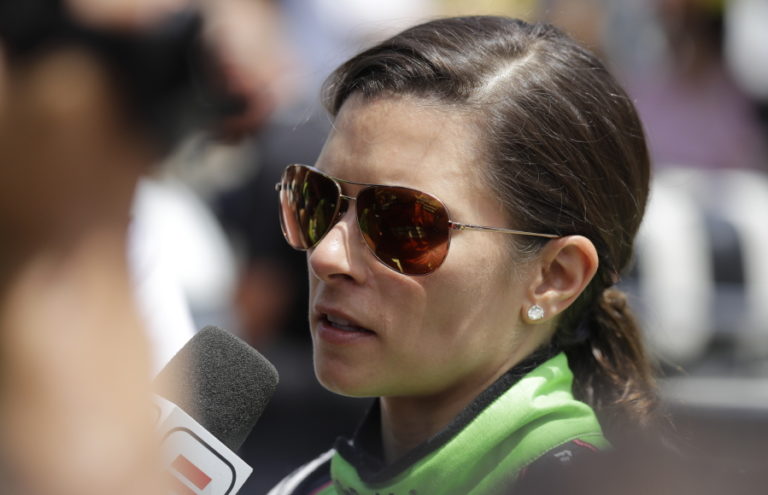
[(337, 328), (343, 324)]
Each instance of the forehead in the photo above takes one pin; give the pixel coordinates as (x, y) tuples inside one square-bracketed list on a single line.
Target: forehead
[(402, 141)]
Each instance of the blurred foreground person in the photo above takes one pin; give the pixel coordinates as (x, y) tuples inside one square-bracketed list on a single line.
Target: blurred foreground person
[(465, 226), (91, 94)]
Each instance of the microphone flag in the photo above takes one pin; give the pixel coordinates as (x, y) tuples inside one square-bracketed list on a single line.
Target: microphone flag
[(196, 461)]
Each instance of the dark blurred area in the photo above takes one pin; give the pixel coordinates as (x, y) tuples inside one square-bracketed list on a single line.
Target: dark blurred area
[(167, 77)]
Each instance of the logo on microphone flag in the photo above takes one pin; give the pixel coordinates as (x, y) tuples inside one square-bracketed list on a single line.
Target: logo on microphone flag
[(197, 466), (184, 472), (197, 463)]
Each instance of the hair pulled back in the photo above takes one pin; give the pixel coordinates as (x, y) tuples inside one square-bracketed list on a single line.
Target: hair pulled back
[(564, 152)]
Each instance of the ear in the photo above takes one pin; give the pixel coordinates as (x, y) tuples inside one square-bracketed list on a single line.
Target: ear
[(563, 270)]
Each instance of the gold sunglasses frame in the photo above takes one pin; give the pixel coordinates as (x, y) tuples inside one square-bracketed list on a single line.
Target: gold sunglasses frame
[(451, 224)]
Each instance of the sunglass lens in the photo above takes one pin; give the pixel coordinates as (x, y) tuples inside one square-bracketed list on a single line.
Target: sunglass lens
[(308, 205), (406, 229)]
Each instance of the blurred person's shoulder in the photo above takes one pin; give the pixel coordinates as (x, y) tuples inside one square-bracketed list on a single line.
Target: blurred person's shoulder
[(637, 467), (548, 473)]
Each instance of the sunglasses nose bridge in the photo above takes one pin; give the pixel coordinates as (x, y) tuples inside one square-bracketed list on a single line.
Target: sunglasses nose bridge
[(344, 201), (338, 255), (342, 210)]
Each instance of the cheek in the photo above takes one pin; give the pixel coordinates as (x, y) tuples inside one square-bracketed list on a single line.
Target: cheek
[(456, 334), (432, 317), (478, 263), (478, 292)]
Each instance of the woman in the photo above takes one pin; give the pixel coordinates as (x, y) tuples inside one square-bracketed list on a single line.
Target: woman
[(489, 353)]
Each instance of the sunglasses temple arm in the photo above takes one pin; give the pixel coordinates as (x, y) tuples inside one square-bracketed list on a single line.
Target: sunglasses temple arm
[(467, 226)]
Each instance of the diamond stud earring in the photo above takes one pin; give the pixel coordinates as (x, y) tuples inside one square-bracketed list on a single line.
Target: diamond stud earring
[(535, 312)]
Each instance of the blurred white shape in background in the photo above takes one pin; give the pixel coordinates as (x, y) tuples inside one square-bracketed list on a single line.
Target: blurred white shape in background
[(362, 19), (159, 296), (675, 276), (743, 201), (703, 282), (746, 44), (182, 263)]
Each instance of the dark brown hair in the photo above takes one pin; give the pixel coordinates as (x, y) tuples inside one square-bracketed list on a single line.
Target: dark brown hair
[(565, 154)]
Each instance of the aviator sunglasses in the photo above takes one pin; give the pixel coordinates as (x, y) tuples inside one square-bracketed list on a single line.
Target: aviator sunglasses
[(407, 230)]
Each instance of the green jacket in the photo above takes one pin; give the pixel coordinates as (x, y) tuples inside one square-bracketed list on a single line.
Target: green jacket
[(524, 415)]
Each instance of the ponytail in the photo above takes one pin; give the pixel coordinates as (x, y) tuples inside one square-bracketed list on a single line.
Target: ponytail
[(611, 369)]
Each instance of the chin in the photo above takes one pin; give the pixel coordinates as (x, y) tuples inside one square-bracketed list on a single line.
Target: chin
[(343, 380)]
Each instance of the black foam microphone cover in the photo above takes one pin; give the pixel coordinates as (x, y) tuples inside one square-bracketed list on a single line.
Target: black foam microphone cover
[(221, 381)]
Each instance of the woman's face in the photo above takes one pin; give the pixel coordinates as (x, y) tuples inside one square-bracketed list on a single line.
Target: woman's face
[(455, 329)]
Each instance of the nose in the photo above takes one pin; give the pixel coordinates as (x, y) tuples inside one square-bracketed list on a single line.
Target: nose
[(339, 255)]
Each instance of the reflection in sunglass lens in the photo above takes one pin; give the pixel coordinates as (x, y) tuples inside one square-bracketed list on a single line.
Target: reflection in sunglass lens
[(308, 205), (406, 229)]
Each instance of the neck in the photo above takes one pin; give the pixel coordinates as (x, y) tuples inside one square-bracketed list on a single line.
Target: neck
[(407, 421)]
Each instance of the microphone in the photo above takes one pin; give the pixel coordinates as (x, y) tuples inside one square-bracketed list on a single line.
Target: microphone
[(216, 388)]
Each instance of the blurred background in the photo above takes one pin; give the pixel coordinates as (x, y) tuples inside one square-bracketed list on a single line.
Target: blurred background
[(206, 245)]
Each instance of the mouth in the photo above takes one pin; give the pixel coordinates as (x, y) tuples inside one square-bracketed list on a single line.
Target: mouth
[(336, 328), (338, 323)]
